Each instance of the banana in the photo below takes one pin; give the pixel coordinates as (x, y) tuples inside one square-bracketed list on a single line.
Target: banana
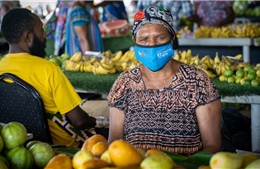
[(227, 61), (117, 56), (92, 60), (107, 64), (69, 65), (209, 73), (216, 59), (76, 57), (238, 56), (87, 67)]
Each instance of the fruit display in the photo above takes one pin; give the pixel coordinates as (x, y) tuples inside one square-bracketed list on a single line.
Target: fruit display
[(250, 30), (121, 154), (18, 152)]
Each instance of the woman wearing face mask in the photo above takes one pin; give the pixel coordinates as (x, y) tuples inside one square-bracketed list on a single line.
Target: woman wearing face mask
[(163, 103)]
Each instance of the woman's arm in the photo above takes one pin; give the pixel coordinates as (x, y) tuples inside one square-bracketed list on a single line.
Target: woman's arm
[(81, 32), (116, 124), (209, 119)]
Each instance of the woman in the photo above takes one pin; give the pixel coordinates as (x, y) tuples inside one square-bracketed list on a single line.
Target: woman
[(163, 103), (82, 31)]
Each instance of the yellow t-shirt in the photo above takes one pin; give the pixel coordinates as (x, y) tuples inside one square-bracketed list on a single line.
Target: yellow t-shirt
[(54, 87)]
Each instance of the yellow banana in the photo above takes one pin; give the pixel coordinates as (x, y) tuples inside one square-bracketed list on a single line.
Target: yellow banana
[(216, 59), (107, 64), (238, 56), (87, 67), (117, 56), (209, 73), (76, 57)]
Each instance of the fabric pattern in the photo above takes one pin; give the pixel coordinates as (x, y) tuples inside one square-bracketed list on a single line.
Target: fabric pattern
[(49, 80), (164, 119), (155, 15), (78, 16), (212, 12)]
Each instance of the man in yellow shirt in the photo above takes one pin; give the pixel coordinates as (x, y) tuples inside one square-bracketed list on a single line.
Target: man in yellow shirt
[(23, 30)]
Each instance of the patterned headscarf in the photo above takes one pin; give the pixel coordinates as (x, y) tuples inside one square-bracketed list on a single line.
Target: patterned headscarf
[(153, 15)]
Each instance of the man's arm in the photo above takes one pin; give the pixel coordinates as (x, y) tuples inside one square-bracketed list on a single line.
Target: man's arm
[(81, 32), (80, 119), (209, 119), (116, 124)]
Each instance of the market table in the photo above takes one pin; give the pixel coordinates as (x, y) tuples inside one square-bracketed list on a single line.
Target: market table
[(230, 93)]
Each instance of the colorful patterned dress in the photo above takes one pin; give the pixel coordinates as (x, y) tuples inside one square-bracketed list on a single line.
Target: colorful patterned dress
[(163, 119)]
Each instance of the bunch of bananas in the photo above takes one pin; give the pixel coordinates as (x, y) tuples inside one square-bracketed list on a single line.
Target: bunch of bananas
[(213, 67), (247, 30), (221, 32), (203, 32), (111, 63), (185, 30)]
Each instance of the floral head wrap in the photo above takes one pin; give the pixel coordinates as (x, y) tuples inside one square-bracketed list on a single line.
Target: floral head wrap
[(153, 15)]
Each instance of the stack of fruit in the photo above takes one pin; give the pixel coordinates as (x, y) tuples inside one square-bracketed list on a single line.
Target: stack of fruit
[(248, 76), (18, 153), (96, 153)]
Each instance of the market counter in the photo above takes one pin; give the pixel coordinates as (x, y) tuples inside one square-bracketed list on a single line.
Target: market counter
[(232, 93)]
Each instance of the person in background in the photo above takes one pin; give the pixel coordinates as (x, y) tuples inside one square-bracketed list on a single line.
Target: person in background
[(82, 31), (23, 30), (113, 10), (213, 13), (163, 103)]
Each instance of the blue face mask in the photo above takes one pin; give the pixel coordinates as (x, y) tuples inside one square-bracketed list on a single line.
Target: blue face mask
[(154, 57)]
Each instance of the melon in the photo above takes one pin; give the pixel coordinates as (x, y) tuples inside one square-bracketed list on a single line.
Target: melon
[(115, 28)]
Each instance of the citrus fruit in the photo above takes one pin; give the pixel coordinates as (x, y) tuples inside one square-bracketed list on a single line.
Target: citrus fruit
[(157, 161), (231, 79), (1, 144), (258, 73), (238, 80), (247, 67), (254, 83), (123, 154), (13, 134), (247, 82), (228, 72), (251, 76), (240, 73), (42, 153), (221, 78)]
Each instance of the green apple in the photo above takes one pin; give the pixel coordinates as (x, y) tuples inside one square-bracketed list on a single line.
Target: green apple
[(253, 165), (226, 160), (162, 161)]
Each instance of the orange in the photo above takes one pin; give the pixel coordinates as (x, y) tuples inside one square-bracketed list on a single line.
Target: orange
[(60, 161), (123, 154), (152, 152), (91, 141), (99, 148)]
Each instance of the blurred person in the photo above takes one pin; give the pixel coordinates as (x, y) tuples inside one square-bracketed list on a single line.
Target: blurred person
[(162, 103), (113, 10), (82, 30), (213, 13), (23, 30)]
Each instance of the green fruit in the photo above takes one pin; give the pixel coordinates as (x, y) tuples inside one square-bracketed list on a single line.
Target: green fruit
[(1, 144), (251, 76), (155, 161), (247, 67), (221, 78), (238, 80), (31, 143), (14, 134), (253, 165), (65, 56), (254, 83), (226, 160), (3, 165), (258, 73), (247, 82), (55, 60), (42, 153), (5, 161), (240, 73), (228, 72), (231, 79), (20, 158)]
